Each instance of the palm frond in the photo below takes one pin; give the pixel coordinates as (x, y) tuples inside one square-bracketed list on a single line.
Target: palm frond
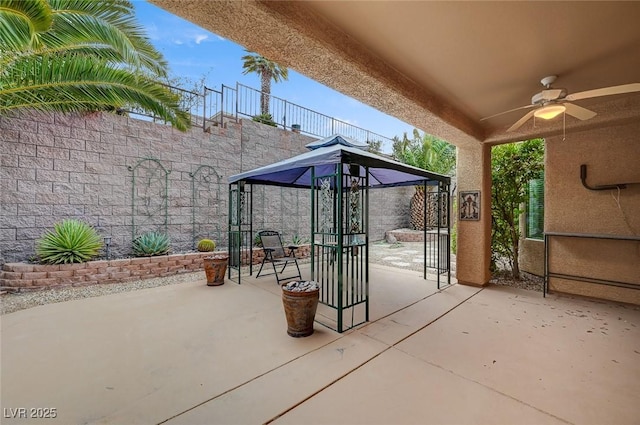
[(21, 20), (69, 83), (254, 63), (105, 23)]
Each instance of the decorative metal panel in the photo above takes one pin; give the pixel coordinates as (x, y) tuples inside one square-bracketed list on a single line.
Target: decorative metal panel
[(206, 205), (149, 196), (326, 206), (355, 208)]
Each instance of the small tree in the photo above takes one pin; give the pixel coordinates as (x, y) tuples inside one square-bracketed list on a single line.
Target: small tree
[(375, 146), (267, 70), (426, 152), (429, 153), (512, 166)]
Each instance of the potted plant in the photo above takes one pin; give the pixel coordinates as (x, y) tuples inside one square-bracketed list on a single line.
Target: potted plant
[(215, 266), (300, 300)]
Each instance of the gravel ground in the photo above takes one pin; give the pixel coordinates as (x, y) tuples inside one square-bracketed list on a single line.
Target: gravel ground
[(527, 281), (21, 300), (379, 253)]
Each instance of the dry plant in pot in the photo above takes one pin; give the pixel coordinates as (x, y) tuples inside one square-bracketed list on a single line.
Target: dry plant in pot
[(215, 266)]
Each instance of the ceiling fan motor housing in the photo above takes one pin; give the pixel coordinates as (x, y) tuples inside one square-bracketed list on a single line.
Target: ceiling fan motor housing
[(548, 95)]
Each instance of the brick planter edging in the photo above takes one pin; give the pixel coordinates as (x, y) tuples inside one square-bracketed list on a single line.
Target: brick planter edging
[(23, 276)]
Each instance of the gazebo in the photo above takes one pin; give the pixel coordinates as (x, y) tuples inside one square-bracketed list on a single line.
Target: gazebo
[(339, 173)]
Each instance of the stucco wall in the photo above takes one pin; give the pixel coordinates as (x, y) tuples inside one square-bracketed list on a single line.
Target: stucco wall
[(474, 237), (531, 251), (60, 166), (531, 258), (613, 156)]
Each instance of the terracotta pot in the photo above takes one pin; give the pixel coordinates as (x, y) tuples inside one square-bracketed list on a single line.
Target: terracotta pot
[(215, 267), (300, 309)]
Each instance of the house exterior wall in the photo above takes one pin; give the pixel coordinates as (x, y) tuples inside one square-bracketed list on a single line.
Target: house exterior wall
[(531, 251), (473, 254), (56, 166), (531, 258), (612, 155)]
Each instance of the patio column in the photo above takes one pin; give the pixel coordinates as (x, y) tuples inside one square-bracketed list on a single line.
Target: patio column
[(474, 236)]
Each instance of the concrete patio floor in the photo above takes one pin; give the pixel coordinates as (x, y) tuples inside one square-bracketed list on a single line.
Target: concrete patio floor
[(192, 354)]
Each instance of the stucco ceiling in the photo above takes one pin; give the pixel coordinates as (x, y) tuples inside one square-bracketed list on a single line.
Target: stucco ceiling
[(442, 66)]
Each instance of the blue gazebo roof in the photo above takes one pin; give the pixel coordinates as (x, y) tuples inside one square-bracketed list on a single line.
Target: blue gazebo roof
[(296, 171), (337, 139)]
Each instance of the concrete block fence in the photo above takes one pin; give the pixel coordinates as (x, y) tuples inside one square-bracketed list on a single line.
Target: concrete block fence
[(56, 166)]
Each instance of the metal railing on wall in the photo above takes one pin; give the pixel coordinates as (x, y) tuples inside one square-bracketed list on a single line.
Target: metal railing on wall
[(190, 101), (217, 107), (291, 116)]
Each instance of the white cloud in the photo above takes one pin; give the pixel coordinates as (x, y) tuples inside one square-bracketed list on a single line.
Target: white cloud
[(199, 38), (178, 42), (348, 121), (152, 32)]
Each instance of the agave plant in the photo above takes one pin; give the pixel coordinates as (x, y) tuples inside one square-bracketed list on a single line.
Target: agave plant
[(257, 240), (71, 241), (150, 244)]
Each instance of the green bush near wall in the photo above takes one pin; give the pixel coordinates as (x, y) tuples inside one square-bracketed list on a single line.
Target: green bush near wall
[(71, 241)]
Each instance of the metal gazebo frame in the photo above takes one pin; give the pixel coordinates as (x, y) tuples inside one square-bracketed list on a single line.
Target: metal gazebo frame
[(339, 174)]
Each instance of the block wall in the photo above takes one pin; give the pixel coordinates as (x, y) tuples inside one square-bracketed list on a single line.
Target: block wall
[(56, 166)]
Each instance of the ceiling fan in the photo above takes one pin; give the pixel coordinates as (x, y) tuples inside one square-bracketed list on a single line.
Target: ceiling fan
[(551, 102)]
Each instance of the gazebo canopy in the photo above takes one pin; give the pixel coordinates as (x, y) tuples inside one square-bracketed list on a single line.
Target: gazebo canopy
[(296, 171), (339, 173), (337, 139)]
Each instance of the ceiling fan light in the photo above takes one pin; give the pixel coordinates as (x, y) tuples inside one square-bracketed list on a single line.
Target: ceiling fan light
[(549, 112)]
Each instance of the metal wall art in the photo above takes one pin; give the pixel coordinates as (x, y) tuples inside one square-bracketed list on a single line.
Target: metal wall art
[(469, 205), (149, 196)]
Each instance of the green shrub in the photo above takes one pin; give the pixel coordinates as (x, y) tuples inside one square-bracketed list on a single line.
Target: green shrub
[(454, 239), (206, 245), (454, 227), (257, 240), (71, 241), (150, 244), (298, 240), (265, 119)]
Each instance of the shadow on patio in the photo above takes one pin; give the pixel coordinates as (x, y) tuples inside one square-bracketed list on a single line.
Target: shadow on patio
[(191, 354)]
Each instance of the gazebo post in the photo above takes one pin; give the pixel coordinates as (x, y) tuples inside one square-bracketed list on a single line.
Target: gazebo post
[(365, 218), (439, 224), (448, 209), (240, 227), (340, 231), (313, 223), (424, 230)]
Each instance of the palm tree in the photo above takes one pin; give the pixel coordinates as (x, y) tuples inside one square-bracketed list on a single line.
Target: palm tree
[(267, 70), (429, 153), (80, 55)]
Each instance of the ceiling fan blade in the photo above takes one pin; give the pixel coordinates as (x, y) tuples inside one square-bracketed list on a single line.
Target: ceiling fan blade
[(521, 121), (606, 91), (579, 112), (506, 112), (551, 94)]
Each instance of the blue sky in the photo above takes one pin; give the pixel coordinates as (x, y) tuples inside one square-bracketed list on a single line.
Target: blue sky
[(193, 52)]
